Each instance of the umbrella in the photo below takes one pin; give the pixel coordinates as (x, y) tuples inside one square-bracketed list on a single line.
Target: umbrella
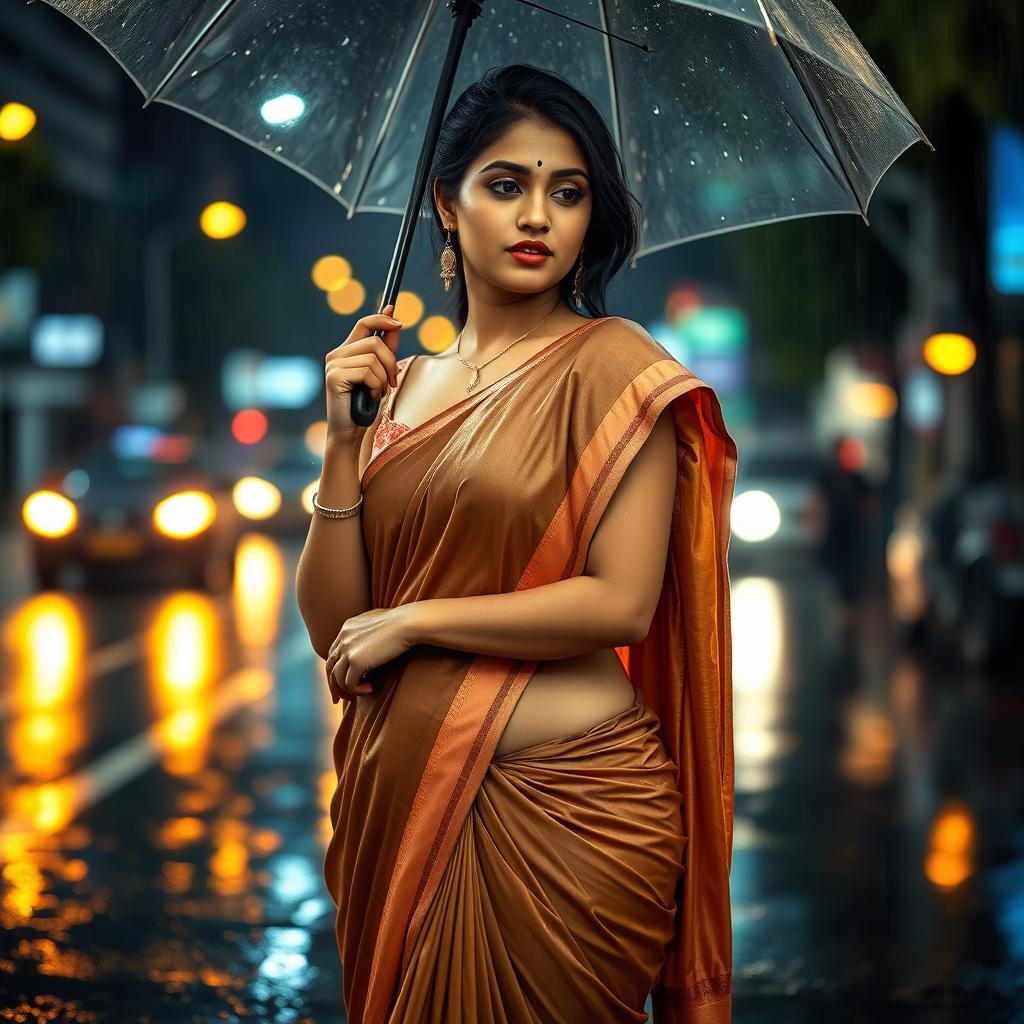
[(727, 113)]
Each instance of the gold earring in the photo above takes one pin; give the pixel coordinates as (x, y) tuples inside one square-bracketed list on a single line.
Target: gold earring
[(576, 293), (448, 262)]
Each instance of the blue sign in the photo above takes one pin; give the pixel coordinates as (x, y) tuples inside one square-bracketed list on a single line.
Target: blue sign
[(1006, 210)]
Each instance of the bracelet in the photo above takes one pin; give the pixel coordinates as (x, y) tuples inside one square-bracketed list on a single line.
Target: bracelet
[(335, 513)]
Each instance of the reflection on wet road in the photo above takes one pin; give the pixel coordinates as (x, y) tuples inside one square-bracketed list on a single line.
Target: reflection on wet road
[(166, 775), (166, 778)]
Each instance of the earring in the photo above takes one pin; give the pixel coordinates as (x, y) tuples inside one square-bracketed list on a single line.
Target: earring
[(448, 262), (576, 293)]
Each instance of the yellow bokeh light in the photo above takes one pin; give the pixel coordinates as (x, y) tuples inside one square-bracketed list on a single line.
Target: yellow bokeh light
[(16, 121), (408, 308), (872, 399), (185, 514), (48, 636), (348, 298), (222, 220), (436, 333), (257, 590), (49, 514), (331, 272), (256, 498), (950, 354), (316, 437), (183, 649)]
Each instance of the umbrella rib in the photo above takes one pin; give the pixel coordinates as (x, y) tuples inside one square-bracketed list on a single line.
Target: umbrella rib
[(593, 28), (843, 181), (199, 40), (816, 107), (610, 61), (378, 142)]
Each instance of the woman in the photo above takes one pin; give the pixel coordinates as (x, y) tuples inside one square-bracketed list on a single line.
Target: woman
[(533, 816)]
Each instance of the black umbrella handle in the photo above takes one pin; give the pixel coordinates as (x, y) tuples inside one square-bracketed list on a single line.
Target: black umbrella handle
[(363, 405)]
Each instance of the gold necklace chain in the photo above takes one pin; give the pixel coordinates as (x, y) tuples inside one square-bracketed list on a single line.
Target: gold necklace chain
[(474, 380)]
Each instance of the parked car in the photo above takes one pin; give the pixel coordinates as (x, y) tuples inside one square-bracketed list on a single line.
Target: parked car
[(773, 500), (956, 566), (140, 506)]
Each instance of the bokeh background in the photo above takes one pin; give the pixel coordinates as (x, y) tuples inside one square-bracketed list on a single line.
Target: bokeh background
[(167, 295)]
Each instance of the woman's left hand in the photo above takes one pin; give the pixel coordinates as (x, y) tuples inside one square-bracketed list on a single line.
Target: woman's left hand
[(364, 642)]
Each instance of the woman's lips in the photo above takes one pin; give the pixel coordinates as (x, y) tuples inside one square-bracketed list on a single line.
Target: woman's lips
[(529, 259)]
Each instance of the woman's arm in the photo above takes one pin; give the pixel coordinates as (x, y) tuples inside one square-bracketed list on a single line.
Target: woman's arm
[(332, 579), (611, 605)]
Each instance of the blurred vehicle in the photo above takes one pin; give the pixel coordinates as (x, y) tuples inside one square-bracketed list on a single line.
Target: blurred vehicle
[(773, 507), (274, 491), (956, 566), (141, 506)]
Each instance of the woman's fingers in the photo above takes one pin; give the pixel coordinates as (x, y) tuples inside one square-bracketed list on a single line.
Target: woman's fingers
[(344, 679)]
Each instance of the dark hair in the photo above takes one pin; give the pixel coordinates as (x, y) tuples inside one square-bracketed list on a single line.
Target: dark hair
[(485, 110)]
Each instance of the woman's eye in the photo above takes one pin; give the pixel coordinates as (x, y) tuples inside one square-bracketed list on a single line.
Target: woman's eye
[(495, 186)]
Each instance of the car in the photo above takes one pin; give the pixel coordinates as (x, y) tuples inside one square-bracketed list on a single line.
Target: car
[(142, 505), (773, 502)]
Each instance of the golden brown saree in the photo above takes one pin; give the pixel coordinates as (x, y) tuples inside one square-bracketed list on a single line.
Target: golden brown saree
[(529, 888)]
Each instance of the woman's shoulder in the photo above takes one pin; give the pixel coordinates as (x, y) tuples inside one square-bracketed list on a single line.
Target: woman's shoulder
[(618, 341)]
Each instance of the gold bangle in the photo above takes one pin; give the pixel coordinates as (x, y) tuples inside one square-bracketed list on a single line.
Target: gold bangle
[(335, 513)]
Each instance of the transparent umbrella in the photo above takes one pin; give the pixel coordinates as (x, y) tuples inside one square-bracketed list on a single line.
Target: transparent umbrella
[(727, 113)]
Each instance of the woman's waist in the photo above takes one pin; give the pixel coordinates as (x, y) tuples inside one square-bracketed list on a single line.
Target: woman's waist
[(600, 669)]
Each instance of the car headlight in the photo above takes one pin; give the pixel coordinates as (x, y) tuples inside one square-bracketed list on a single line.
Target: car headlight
[(185, 514), (49, 514), (255, 498), (754, 516)]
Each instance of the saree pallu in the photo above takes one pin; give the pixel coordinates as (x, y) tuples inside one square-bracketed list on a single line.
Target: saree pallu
[(501, 492)]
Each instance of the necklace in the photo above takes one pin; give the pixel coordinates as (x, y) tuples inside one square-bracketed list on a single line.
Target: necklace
[(474, 380)]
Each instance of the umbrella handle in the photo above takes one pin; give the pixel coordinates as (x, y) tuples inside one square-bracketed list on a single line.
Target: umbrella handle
[(363, 405)]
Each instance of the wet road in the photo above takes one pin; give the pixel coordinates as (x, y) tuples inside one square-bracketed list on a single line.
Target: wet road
[(166, 773)]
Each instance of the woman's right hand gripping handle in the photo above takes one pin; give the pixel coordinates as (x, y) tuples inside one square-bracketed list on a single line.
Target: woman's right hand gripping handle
[(362, 358)]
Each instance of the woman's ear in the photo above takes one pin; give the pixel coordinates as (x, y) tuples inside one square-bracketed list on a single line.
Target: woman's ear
[(444, 207)]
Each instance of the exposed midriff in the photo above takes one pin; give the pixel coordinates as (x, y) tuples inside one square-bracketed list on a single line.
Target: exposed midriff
[(566, 697)]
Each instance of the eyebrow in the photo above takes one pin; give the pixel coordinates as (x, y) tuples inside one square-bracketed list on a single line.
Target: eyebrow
[(509, 166)]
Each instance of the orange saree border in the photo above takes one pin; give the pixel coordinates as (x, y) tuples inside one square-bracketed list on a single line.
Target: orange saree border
[(488, 694)]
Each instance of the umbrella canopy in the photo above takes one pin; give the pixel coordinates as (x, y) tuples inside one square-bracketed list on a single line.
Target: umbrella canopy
[(727, 113)]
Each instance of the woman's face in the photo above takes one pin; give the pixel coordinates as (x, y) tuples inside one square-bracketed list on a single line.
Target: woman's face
[(547, 199)]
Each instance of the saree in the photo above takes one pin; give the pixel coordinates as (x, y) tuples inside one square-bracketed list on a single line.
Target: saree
[(504, 491)]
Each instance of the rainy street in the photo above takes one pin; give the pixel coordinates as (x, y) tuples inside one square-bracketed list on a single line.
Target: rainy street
[(167, 773), (484, 263)]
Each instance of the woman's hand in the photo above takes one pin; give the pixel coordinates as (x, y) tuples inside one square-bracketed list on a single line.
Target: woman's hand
[(364, 642), (362, 358)]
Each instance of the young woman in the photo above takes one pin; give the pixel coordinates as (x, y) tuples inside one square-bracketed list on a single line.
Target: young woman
[(517, 577)]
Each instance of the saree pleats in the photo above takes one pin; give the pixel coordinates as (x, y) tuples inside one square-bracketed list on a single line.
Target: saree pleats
[(434, 839), (558, 898)]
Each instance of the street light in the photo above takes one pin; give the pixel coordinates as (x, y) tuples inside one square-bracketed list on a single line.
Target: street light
[(951, 354), (222, 220), (16, 121)]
